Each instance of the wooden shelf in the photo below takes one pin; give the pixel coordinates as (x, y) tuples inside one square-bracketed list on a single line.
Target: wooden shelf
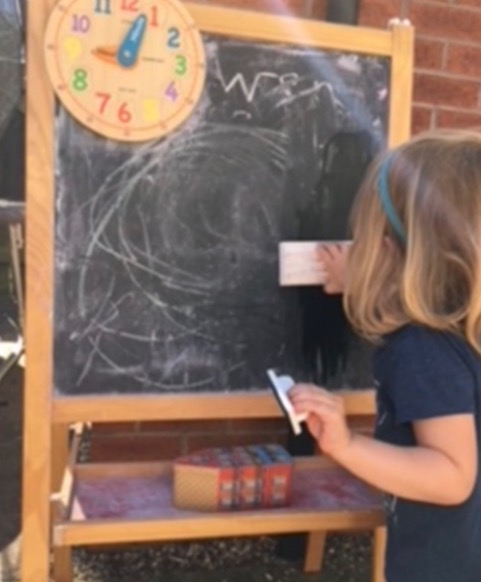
[(189, 406), (121, 503)]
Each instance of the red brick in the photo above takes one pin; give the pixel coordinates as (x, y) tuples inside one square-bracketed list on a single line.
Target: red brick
[(364, 424), (446, 22), (473, 3), (362, 420), (317, 10), (464, 59), (183, 427), (260, 425), (422, 119), (442, 90), (294, 7), (458, 119), (428, 54), (197, 442), (109, 428), (377, 13), (135, 448)]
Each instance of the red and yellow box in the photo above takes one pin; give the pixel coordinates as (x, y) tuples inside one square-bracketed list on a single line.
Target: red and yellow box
[(225, 479)]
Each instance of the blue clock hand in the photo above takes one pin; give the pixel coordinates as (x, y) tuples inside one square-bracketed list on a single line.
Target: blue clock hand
[(129, 49)]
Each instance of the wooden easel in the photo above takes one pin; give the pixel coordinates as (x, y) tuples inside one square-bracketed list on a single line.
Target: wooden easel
[(48, 416)]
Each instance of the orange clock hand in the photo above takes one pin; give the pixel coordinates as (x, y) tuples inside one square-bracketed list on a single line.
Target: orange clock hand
[(107, 54)]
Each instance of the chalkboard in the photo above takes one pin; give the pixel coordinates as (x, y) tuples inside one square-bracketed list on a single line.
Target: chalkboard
[(166, 253)]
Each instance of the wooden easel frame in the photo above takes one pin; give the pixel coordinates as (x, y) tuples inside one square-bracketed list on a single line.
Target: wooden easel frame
[(48, 416)]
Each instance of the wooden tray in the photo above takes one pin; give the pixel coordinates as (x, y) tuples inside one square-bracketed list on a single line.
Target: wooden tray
[(122, 503)]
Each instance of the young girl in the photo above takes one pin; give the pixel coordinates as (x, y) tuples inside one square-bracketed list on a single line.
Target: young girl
[(412, 285)]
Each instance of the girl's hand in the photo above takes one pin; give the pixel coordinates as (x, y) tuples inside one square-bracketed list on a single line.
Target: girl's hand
[(326, 418), (333, 257)]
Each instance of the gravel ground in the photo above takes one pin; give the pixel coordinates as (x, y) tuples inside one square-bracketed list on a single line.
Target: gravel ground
[(347, 559)]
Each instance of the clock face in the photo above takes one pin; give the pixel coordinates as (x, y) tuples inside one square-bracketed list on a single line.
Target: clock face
[(130, 70)]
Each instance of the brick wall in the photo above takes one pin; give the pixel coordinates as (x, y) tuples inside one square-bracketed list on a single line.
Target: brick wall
[(447, 77), (447, 92), (145, 441), (302, 8)]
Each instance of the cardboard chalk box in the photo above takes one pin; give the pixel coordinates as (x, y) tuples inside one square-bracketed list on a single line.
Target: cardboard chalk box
[(238, 478)]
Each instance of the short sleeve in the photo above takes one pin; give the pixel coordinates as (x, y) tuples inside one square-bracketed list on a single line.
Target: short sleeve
[(426, 377)]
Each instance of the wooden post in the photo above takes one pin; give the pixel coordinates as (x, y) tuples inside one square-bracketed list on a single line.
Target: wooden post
[(378, 554), (316, 541), (62, 557), (62, 564), (400, 100), (37, 436)]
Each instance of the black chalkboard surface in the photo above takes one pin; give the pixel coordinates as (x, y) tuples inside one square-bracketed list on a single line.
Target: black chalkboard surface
[(166, 253)]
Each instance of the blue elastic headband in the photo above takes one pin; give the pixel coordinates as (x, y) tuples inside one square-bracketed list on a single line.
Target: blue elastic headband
[(386, 202)]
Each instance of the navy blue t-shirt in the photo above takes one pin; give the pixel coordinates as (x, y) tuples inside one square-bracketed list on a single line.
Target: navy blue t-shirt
[(421, 373)]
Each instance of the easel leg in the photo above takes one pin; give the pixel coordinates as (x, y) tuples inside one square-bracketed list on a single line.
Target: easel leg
[(379, 550), (62, 564), (316, 541), (35, 561), (60, 449), (62, 557)]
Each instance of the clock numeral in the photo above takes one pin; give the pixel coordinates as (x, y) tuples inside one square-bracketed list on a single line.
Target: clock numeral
[(124, 114), (80, 80), (171, 92), (104, 101), (72, 47), (154, 21), (173, 38), (150, 110), (102, 7), (181, 68), (130, 5), (80, 23)]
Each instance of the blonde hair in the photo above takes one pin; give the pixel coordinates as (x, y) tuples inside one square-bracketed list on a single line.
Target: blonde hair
[(433, 278)]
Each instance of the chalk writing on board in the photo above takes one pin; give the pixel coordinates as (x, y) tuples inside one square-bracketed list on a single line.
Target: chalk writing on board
[(166, 253)]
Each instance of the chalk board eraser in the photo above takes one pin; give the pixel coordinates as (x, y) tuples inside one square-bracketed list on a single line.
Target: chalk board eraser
[(280, 386), (299, 264)]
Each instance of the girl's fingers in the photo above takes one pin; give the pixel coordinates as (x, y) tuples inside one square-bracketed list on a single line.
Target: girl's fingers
[(325, 251), (321, 410), (326, 419), (332, 251), (309, 398), (332, 258), (327, 255), (310, 390)]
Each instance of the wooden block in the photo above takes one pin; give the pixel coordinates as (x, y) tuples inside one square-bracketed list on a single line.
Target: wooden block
[(299, 264)]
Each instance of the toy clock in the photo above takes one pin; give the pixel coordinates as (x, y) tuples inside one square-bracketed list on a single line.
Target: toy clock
[(130, 70)]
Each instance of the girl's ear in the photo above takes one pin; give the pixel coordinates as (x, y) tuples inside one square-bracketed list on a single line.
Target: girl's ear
[(387, 242), (392, 243), (392, 246)]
